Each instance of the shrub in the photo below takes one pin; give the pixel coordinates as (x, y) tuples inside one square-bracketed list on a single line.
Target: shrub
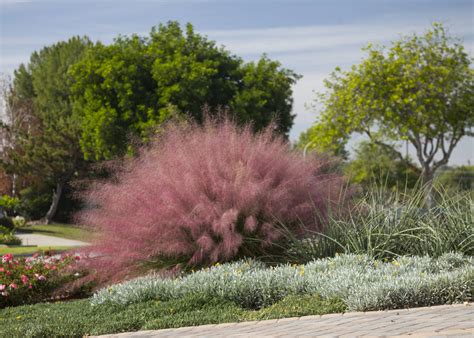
[(361, 282), (9, 239), (35, 200), (7, 223), (31, 280), (10, 204), (205, 194)]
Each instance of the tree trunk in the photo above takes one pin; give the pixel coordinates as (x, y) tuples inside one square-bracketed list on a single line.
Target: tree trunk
[(57, 193), (427, 176)]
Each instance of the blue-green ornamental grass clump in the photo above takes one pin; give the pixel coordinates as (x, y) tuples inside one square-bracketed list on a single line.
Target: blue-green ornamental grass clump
[(362, 283)]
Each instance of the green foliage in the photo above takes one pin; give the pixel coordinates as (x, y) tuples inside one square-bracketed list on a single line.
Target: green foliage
[(45, 137), (457, 178), (11, 205), (126, 89), (7, 223), (9, 238), (420, 89), (318, 138), (51, 149), (35, 200), (391, 224), (373, 163)]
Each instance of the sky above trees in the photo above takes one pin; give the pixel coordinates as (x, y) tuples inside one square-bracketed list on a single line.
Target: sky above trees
[(310, 37)]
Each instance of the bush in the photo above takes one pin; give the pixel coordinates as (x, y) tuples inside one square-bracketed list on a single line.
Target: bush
[(11, 205), (7, 223), (9, 239), (31, 280), (35, 201), (361, 282), (204, 194)]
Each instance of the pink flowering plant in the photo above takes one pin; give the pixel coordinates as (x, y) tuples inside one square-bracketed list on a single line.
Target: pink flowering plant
[(198, 195), (33, 279)]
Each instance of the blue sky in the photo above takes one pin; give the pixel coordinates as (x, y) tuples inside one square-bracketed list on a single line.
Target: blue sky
[(310, 37)]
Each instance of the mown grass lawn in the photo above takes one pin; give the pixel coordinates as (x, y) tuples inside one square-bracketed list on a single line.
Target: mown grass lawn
[(25, 250), (67, 231), (79, 318)]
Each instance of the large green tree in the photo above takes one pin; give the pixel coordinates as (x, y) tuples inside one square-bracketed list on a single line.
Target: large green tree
[(46, 143), (128, 88), (421, 89)]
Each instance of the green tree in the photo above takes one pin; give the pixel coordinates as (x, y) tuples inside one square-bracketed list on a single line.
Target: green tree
[(265, 95), (46, 144), (373, 163), (420, 90), (128, 88)]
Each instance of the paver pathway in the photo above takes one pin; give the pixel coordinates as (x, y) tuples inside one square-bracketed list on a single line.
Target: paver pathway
[(42, 240), (438, 321)]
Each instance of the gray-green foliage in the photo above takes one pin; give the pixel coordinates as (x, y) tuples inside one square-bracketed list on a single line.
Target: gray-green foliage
[(361, 282), (387, 225)]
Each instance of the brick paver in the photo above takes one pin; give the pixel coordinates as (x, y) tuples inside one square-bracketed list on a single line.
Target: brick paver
[(438, 321)]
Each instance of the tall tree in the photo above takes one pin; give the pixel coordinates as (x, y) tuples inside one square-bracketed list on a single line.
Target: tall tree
[(131, 86), (421, 89), (48, 145)]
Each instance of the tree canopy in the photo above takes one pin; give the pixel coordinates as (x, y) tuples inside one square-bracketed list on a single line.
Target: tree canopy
[(43, 130), (421, 89), (129, 87)]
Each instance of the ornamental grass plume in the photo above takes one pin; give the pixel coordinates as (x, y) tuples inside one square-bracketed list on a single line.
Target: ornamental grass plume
[(201, 194)]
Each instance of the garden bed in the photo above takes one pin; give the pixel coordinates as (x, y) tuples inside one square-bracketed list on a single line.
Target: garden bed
[(249, 290)]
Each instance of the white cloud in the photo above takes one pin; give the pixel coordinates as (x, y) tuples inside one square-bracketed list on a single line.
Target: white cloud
[(304, 38)]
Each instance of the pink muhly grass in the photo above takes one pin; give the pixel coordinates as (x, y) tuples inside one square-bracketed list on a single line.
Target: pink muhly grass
[(203, 194)]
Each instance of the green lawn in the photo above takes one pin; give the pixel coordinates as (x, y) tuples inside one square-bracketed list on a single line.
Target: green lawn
[(19, 250), (68, 231), (79, 318)]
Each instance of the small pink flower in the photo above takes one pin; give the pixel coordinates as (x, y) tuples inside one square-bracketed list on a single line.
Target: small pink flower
[(24, 279), (7, 258), (4, 293), (2, 287), (13, 286), (54, 267), (30, 286), (36, 254), (9, 273), (2, 269), (42, 278)]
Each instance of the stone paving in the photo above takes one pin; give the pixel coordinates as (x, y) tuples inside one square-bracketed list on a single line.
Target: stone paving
[(437, 321)]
